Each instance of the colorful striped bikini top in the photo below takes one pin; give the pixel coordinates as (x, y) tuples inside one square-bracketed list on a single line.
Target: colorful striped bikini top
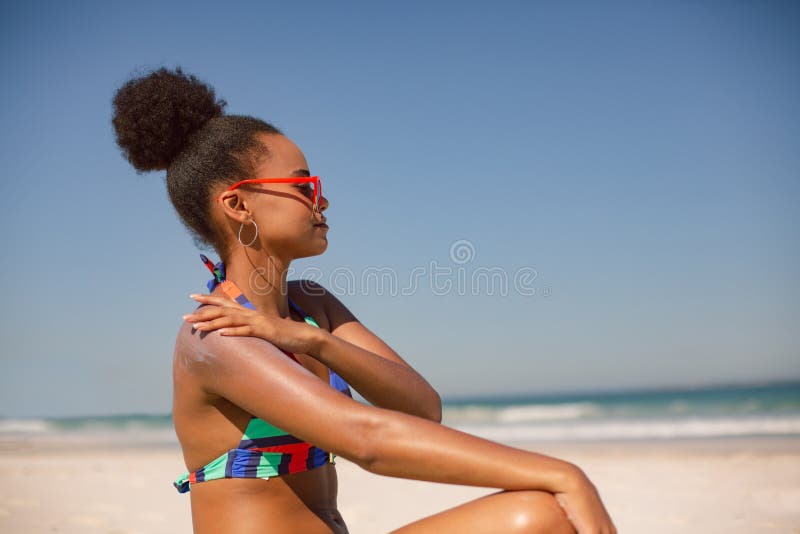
[(265, 450)]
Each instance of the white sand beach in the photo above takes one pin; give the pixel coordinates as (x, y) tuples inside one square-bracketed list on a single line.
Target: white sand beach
[(700, 486)]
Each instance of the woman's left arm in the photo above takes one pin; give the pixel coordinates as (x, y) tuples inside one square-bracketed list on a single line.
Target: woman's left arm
[(370, 366)]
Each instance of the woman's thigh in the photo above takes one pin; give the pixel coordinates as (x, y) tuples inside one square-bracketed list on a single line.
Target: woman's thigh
[(504, 511)]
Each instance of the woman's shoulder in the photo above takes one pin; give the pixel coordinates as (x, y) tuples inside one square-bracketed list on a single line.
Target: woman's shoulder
[(321, 304), (310, 297), (192, 344)]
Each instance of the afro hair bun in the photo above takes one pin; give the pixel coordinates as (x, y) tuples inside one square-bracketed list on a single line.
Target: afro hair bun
[(155, 114)]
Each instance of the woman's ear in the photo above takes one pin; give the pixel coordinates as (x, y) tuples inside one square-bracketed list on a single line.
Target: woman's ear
[(234, 207)]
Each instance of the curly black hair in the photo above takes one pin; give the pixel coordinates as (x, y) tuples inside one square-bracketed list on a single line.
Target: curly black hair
[(168, 120)]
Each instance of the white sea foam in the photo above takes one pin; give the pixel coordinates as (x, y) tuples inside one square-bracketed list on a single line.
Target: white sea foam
[(522, 412), (545, 412), (627, 429), (24, 426), (125, 430)]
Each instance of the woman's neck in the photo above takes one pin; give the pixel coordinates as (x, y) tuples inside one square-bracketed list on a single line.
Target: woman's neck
[(262, 279)]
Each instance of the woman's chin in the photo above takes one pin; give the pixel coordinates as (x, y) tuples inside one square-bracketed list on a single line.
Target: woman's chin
[(319, 248)]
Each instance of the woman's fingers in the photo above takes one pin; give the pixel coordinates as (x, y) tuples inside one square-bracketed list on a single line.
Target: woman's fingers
[(216, 309), (204, 315), (225, 315), (214, 324), (209, 312), (246, 330), (585, 509), (227, 326), (218, 317), (213, 299)]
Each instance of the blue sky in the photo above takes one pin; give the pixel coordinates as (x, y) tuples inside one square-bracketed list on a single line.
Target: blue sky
[(641, 158)]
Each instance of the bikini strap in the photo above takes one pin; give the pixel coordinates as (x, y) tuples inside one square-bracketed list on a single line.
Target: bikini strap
[(235, 293), (298, 309), (218, 270)]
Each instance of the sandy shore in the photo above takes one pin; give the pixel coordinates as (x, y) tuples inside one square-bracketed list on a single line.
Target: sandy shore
[(703, 486)]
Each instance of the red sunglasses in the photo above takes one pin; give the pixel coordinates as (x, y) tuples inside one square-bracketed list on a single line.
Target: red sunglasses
[(313, 180)]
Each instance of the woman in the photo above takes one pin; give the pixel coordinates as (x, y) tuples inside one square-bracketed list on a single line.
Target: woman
[(263, 367)]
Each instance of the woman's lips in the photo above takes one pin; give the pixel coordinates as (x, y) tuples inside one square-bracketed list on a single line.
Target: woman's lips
[(322, 225)]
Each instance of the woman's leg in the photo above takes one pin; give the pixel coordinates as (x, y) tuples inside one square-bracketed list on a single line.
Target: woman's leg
[(513, 512)]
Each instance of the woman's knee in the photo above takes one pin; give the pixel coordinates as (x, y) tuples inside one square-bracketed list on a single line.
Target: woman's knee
[(535, 512)]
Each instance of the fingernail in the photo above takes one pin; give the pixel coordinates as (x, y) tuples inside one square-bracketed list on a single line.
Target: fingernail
[(193, 295)]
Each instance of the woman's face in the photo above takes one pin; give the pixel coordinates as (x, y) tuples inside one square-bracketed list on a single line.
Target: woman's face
[(283, 212)]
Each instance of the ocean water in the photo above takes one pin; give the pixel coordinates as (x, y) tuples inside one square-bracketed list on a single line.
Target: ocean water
[(714, 412)]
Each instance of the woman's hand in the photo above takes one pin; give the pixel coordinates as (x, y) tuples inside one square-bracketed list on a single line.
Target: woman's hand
[(583, 506), (233, 319)]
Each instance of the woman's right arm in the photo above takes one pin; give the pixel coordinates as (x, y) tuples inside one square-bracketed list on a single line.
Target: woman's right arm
[(256, 376)]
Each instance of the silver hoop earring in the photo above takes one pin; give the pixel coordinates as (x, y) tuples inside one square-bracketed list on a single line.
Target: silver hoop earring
[(254, 237)]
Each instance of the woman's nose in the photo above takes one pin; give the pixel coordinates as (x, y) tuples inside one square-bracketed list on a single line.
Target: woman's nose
[(323, 205)]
